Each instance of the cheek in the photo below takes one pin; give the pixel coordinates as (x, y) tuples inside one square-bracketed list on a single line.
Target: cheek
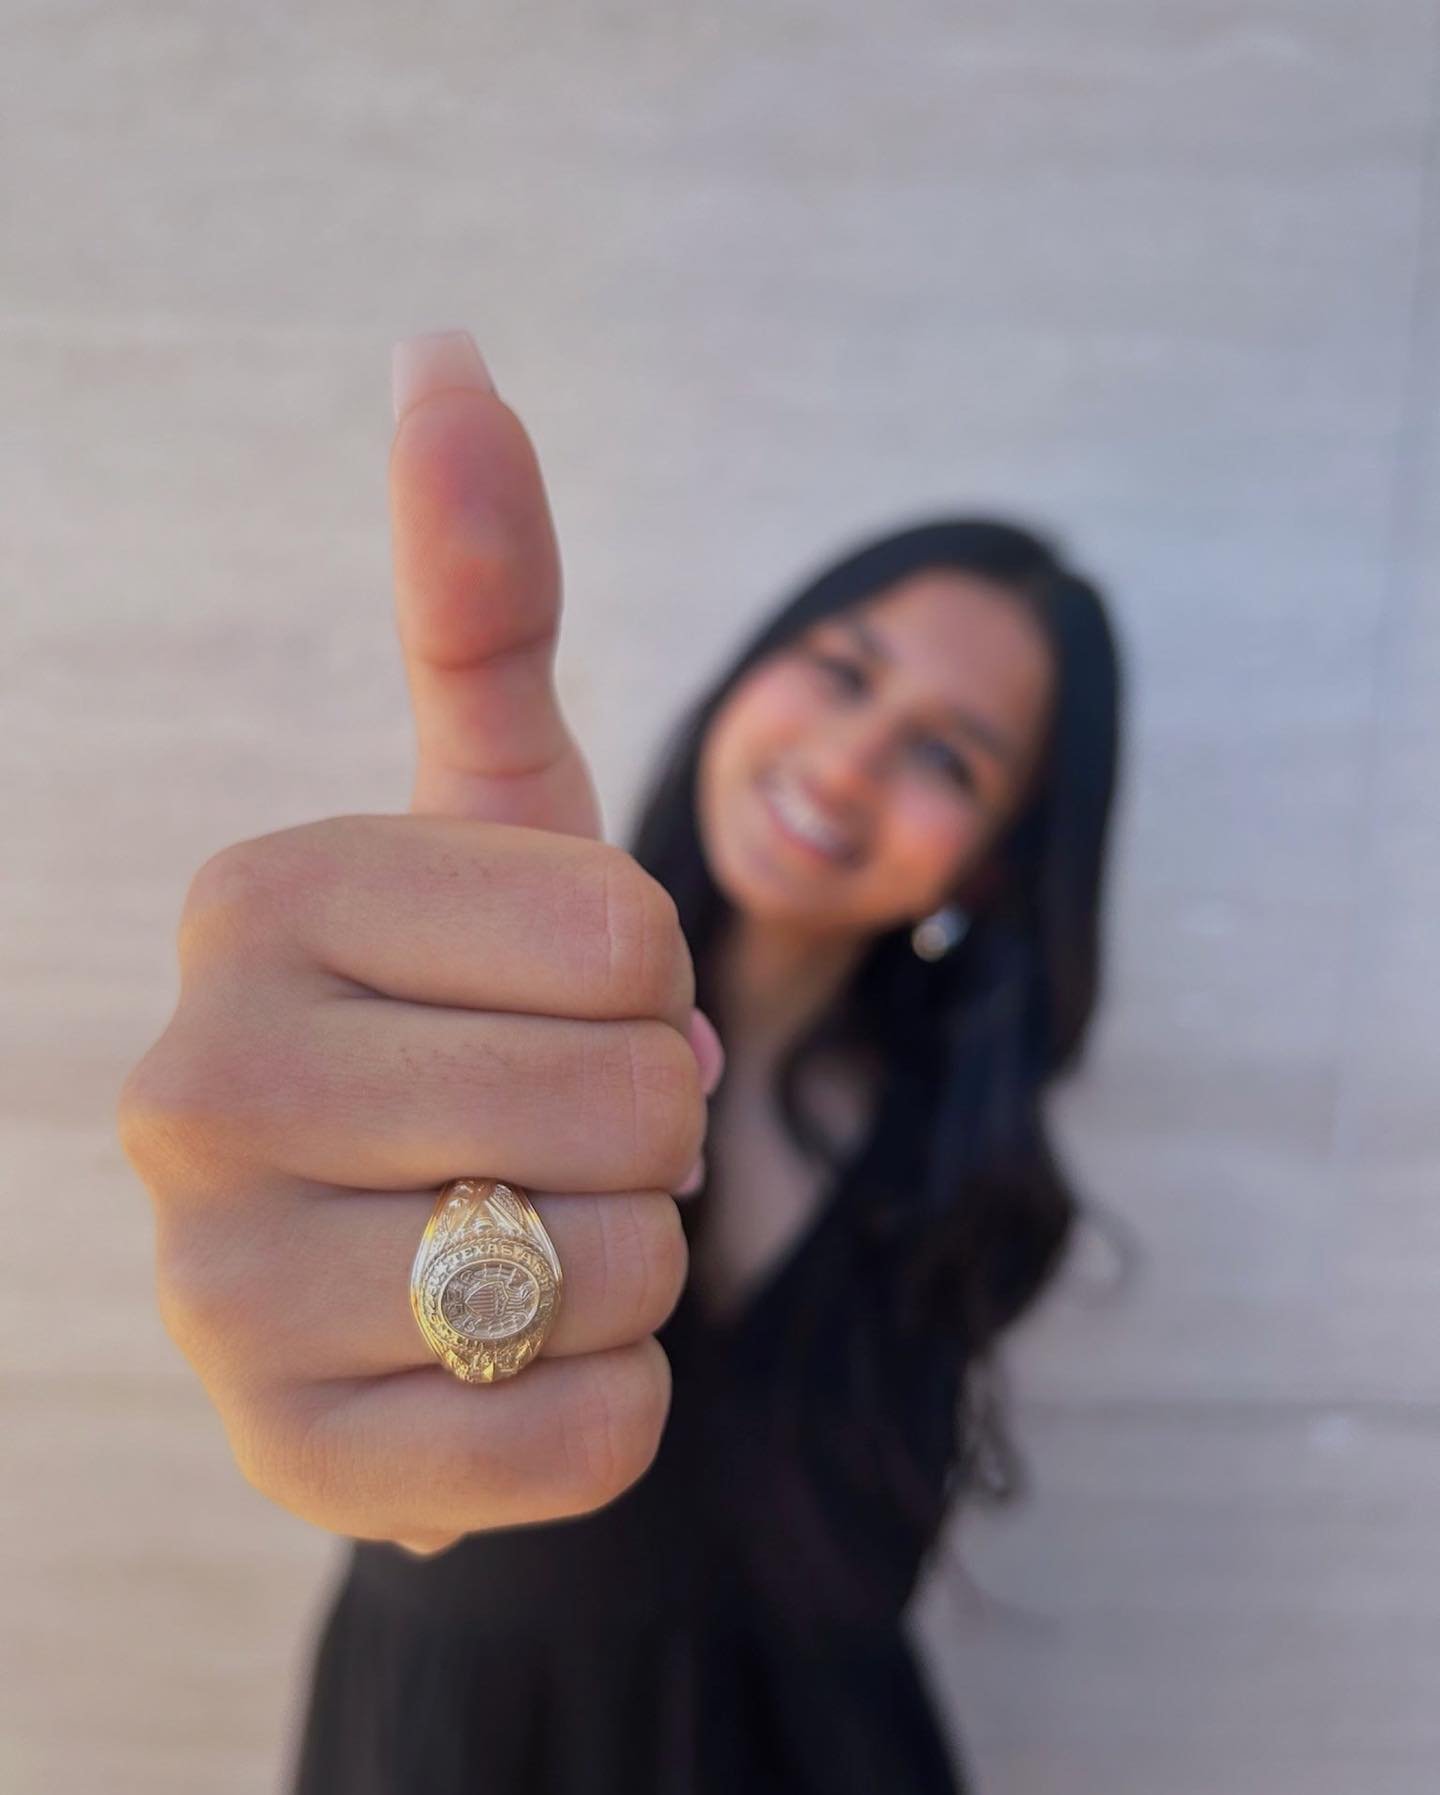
[(929, 840), (768, 709)]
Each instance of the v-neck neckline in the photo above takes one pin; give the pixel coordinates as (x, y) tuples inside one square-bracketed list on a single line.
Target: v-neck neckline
[(742, 1314)]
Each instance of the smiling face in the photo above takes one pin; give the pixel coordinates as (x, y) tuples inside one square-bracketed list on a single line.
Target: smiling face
[(855, 777)]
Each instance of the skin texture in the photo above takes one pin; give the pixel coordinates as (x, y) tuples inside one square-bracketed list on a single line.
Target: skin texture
[(371, 1005)]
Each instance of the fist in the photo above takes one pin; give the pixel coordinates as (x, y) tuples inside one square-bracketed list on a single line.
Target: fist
[(372, 1005)]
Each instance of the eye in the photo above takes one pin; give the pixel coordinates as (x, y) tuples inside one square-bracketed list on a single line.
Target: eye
[(938, 752), (953, 765), (846, 673)]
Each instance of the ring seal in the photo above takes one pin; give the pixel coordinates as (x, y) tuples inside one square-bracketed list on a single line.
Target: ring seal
[(486, 1284)]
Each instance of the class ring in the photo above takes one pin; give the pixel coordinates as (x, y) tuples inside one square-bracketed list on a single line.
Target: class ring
[(486, 1284)]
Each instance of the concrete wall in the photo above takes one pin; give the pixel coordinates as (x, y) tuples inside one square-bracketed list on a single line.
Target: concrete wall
[(760, 279)]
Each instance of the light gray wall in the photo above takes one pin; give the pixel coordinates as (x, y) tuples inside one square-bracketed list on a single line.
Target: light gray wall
[(761, 279)]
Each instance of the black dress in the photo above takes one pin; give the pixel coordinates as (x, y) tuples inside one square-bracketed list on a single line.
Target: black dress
[(731, 1625)]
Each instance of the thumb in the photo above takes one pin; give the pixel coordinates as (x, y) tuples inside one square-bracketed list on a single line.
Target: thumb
[(477, 592)]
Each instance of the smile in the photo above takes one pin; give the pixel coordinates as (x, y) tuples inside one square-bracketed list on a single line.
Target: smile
[(801, 823)]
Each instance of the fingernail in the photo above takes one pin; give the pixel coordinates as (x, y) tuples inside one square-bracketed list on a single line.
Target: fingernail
[(695, 1179), (425, 364), (705, 1044)]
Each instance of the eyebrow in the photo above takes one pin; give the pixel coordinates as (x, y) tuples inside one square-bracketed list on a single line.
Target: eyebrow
[(983, 732)]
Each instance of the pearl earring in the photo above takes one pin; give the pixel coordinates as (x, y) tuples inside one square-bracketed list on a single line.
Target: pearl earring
[(935, 935)]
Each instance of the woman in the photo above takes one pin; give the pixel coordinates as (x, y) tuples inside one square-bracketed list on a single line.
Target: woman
[(884, 828)]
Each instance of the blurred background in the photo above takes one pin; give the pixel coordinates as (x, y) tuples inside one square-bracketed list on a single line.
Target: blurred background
[(1159, 275)]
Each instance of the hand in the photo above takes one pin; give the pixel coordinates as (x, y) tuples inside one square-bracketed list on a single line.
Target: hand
[(371, 1005)]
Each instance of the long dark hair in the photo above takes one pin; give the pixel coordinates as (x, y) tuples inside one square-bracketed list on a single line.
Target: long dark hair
[(981, 1206)]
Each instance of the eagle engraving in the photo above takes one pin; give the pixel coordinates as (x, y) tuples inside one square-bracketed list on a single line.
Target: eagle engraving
[(490, 1300)]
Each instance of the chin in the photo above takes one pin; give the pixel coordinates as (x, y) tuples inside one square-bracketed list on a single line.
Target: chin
[(756, 892)]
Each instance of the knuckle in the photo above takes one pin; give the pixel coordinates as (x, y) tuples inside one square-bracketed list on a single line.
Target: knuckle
[(667, 1104), (159, 1116), (665, 1261), (186, 1109), (470, 579), (135, 1119), (252, 893), (646, 959), (230, 895), (644, 1257), (614, 1433), (209, 1299), (480, 562)]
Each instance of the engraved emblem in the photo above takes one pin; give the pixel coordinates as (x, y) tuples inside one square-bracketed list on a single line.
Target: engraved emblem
[(491, 1300), (486, 1283)]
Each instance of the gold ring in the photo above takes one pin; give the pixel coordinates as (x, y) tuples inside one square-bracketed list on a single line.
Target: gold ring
[(486, 1283)]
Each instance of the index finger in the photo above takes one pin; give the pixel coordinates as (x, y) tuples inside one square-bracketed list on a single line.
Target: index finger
[(434, 910)]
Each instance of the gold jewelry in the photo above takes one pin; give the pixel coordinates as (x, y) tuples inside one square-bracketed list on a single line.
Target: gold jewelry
[(486, 1283)]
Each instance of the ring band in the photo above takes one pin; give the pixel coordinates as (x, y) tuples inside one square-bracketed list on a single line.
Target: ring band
[(486, 1284)]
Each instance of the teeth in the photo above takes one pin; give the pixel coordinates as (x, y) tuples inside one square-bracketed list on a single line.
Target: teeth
[(805, 820)]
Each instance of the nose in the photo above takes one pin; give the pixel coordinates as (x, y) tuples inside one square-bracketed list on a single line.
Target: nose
[(847, 759)]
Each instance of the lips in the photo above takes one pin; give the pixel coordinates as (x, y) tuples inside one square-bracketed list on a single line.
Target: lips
[(802, 824)]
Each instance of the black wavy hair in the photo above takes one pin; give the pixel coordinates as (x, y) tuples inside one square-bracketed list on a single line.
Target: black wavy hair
[(970, 1042)]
